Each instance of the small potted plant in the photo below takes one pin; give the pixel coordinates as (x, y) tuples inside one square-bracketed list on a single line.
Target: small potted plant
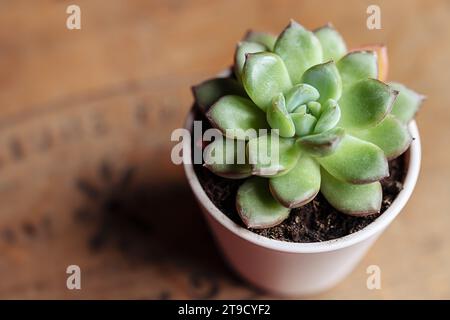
[(297, 217)]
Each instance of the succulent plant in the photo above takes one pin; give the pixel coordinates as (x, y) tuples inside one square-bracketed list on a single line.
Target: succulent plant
[(335, 122)]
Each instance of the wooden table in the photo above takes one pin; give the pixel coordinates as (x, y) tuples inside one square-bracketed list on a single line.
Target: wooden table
[(85, 123)]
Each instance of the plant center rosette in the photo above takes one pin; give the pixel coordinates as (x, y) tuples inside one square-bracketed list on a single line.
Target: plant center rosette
[(301, 115)]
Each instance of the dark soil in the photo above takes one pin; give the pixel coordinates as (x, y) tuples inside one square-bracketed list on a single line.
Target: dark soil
[(313, 222)]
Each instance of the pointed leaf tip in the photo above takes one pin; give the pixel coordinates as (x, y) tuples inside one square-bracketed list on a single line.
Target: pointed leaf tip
[(304, 123), (356, 66), (382, 58), (263, 38), (333, 44), (299, 48), (243, 48)]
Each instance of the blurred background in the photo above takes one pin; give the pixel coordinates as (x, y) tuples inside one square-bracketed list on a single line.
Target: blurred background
[(85, 123)]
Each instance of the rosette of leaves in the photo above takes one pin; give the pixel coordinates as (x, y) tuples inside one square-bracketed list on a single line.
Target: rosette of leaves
[(337, 123)]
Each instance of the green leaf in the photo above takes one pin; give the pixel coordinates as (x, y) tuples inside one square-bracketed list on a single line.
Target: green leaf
[(264, 77), (326, 79), (329, 118), (356, 161), (301, 109), (407, 103), (333, 45), (382, 59), (271, 155), (390, 135), (315, 108), (278, 117), (299, 49), (209, 91), (356, 66), (242, 49), (299, 186), (264, 38), (233, 115), (352, 199), (300, 94), (365, 104), (256, 206), (304, 123), (322, 144), (226, 158)]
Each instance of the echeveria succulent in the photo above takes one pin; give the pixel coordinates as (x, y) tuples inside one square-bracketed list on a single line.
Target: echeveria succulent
[(336, 123)]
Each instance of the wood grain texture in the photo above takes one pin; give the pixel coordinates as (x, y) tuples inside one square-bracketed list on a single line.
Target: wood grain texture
[(85, 123)]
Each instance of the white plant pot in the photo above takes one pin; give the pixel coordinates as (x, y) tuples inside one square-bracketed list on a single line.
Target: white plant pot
[(286, 268)]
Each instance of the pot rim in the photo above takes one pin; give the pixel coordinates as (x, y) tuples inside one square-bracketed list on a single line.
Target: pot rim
[(378, 225)]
